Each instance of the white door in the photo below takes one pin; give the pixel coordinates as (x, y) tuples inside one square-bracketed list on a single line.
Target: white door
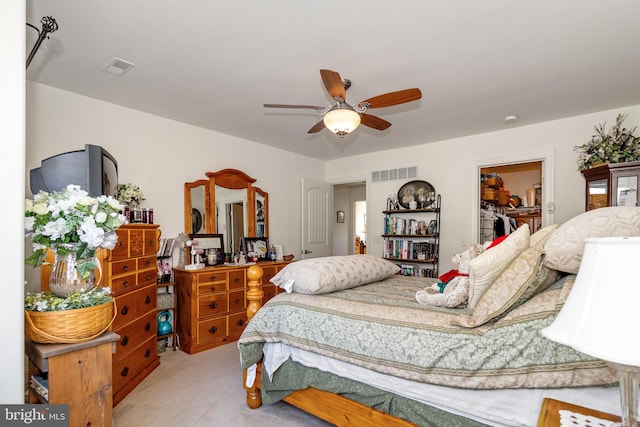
[(316, 205)]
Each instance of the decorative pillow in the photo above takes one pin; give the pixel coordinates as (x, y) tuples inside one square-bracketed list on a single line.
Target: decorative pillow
[(541, 235), (334, 273), (522, 279), (487, 266), (566, 244)]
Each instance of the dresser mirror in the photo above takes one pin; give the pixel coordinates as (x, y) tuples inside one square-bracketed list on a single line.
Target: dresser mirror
[(228, 204), (197, 211)]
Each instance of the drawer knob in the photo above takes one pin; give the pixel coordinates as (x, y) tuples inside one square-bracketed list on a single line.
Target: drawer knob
[(236, 301), (212, 288), (147, 264), (125, 341), (147, 353), (240, 322), (147, 300), (148, 276), (152, 243), (125, 268), (213, 304), (147, 326), (124, 310), (125, 371), (213, 330), (236, 280), (125, 283), (212, 278)]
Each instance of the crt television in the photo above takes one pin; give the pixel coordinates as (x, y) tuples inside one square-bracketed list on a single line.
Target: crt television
[(93, 169)]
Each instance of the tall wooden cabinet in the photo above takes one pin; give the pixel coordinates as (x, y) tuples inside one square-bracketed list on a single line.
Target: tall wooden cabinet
[(212, 304), (130, 270), (614, 184)]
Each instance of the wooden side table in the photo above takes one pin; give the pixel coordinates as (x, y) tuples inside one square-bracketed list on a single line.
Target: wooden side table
[(550, 412), (79, 375)]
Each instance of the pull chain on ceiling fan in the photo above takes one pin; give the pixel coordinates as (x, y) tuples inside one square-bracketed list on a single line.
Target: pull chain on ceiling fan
[(343, 118)]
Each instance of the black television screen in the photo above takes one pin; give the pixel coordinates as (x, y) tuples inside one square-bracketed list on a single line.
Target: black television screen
[(93, 169)]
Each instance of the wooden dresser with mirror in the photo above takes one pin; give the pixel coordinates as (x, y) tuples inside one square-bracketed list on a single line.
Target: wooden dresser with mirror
[(212, 301)]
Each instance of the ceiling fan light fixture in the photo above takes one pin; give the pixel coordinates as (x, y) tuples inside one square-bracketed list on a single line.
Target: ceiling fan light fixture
[(341, 121)]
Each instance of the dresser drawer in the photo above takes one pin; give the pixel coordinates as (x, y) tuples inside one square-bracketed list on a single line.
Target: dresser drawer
[(212, 330), (146, 263), (123, 267), (237, 323), (212, 304), (269, 292), (236, 300), (211, 287), (212, 277), (121, 249), (127, 368), (134, 304), (150, 242), (147, 277), (269, 272), (123, 284), (236, 279), (134, 334)]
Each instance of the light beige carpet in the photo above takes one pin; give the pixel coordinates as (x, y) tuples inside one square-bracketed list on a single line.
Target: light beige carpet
[(204, 389)]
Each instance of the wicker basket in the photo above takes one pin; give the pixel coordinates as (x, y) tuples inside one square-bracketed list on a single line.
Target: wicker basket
[(69, 326)]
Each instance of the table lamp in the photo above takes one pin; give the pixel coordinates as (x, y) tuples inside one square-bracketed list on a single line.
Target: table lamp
[(601, 314)]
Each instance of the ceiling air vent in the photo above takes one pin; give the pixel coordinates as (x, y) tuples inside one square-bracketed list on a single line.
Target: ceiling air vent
[(118, 67), (394, 174)]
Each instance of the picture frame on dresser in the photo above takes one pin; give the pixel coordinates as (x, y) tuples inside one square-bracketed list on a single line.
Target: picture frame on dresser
[(257, 245), (208, 242)]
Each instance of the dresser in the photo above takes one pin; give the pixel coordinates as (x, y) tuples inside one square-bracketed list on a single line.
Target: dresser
[(130, 270), (614, 184), (212, 304)]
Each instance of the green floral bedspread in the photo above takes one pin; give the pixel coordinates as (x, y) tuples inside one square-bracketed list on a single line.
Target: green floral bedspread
[(380, 326)]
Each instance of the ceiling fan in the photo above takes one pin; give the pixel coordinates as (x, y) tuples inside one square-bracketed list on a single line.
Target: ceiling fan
[(342, 118)]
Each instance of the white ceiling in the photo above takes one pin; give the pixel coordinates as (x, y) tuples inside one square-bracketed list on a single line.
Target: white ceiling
[(214, 63)]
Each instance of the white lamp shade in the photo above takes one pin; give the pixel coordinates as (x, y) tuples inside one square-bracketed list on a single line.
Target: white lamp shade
[(601, 316), (341, 121)]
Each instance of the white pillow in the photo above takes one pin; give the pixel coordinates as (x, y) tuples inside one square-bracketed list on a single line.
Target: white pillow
[(488, 265), (334, 273), (564, 247)]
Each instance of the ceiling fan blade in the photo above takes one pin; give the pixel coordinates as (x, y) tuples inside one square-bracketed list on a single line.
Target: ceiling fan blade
[(393, 98), (373, 121), (292, 106), (333, 82), (317, 127)]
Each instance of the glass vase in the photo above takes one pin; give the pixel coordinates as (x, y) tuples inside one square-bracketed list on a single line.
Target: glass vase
[(65, 277)]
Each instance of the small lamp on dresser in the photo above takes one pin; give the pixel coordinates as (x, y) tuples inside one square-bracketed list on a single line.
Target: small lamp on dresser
[(600, 315)]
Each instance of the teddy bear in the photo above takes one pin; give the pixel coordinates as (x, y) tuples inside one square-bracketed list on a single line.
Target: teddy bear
[(453, 288)]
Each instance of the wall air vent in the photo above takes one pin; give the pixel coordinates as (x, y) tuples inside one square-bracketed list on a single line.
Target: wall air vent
[(394, 174), (118, 67)]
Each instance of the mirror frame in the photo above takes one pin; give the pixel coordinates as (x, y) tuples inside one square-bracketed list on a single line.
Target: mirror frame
[(234, 180), (228, 178), (188, 186), (265, 207)]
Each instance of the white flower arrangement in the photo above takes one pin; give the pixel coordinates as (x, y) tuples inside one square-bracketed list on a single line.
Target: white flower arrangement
[(47, 301), (618, 145), (72, 221), (129, 194)]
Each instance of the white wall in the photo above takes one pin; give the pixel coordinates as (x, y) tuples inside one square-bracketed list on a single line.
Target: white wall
[(160, 155), (12, 52), (449, 167)]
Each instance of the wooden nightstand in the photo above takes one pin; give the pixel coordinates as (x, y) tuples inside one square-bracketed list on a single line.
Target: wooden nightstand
[(550, 413)]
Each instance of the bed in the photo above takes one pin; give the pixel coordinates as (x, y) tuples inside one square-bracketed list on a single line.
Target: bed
[(351, 345)]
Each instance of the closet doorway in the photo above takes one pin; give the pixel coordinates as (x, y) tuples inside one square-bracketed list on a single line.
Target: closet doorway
[(512, 192)]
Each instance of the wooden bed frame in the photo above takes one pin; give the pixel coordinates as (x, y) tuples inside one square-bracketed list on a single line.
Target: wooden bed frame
[(330, 407)]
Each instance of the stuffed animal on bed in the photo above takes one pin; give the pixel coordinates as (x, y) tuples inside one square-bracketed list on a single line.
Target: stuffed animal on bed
[(453, 288)]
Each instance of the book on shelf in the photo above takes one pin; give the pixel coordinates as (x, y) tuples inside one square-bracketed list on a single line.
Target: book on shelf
[(40, 385)]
